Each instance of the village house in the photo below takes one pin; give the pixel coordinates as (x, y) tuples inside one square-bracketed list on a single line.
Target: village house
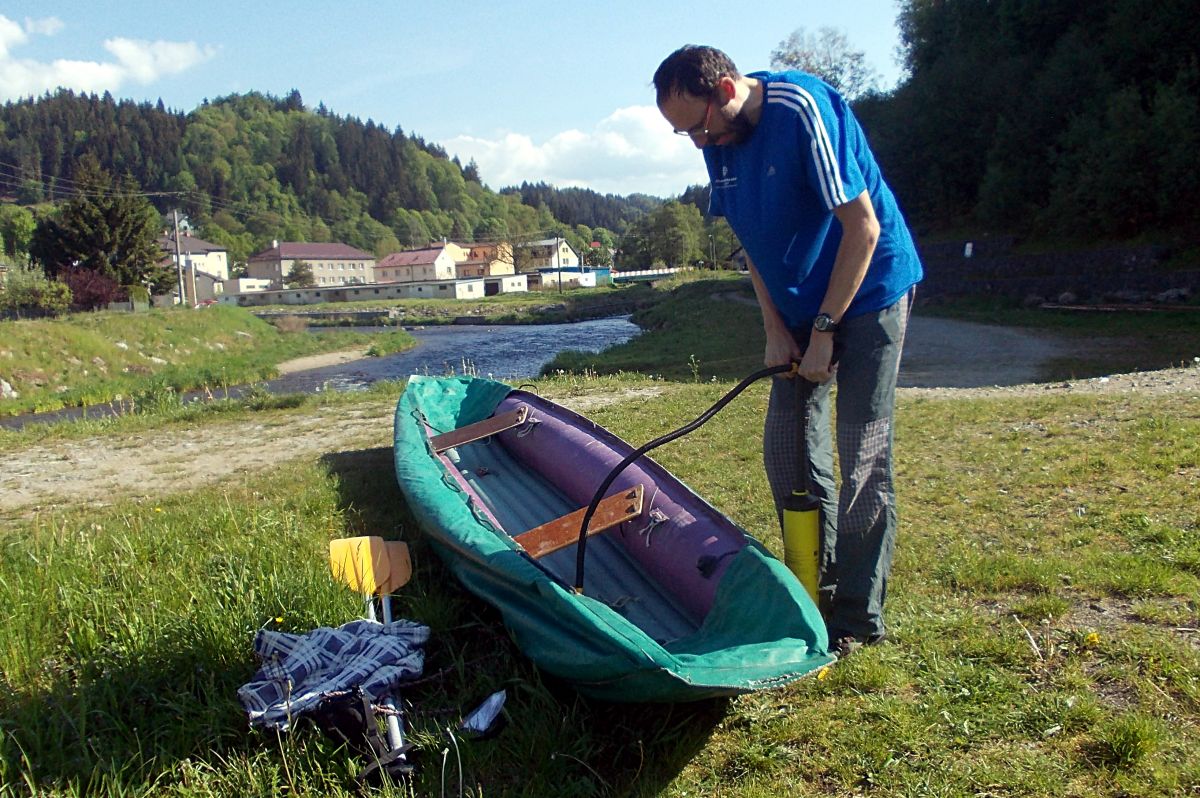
[(550, 253), (489, 260), (435, 262), (198, 262), (205, 257), (331, 264), (442, 270)]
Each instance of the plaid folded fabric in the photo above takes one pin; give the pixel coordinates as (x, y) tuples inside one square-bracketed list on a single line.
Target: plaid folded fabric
[(299, 671)]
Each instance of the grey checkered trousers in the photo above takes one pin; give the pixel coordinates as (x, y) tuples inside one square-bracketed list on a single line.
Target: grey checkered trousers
[(858, 525)]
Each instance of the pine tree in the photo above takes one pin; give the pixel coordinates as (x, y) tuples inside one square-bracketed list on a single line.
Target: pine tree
[(106, 227)]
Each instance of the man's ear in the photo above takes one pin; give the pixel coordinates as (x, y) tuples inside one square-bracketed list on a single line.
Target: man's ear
[(726, 89)]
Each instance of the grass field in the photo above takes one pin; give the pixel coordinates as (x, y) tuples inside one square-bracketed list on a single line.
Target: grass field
[(1045, 610)]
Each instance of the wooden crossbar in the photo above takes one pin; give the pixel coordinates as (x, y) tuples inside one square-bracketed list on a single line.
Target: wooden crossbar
[(480, 429), (563, 531)]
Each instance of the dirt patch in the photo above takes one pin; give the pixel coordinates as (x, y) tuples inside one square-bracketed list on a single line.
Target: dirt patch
[(1179, 380), (585, 404), (93, 472), (320, 361)]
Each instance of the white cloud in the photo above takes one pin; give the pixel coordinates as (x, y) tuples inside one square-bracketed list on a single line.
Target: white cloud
[(137, 61), (47, 26), (630, 151), (10, 34), (145, 62)]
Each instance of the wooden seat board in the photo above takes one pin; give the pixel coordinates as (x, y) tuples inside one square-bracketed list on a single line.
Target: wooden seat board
[(479, 430), (564, 531)]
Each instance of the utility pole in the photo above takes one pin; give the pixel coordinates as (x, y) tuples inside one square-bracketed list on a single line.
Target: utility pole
[(558, 257), (712, 254), (178, 257)]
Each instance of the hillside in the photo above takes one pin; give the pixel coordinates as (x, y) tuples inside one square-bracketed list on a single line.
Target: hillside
[(250, 168)]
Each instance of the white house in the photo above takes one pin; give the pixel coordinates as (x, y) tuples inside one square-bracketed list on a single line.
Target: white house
[(210, 259), (550, 253), (332, 264), (435, 262)]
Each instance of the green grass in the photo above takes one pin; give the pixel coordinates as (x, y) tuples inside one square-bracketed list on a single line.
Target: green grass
[(1044, 609), (94, 358), (698, 334), (170, 413)]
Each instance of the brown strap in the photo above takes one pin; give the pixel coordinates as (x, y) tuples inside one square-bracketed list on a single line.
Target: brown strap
[(480, 429), (562, 532)]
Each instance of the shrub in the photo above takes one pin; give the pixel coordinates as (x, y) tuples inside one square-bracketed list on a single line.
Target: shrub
[(28, 294), (89, 288), (138, 293), (155, 397), (290, 324)]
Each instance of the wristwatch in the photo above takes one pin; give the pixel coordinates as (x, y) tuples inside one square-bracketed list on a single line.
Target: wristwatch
[(825, 323)]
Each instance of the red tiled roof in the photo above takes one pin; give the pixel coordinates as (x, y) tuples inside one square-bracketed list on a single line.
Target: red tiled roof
[(292, 250), (410, 257)]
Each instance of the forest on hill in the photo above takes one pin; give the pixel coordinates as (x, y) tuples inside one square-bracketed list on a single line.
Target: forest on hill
[(246, 169)]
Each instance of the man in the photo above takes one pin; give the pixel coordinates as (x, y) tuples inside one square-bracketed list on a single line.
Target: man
[(834, 268)]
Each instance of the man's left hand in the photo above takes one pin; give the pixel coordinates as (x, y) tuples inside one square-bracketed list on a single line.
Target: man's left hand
[(817, 364)]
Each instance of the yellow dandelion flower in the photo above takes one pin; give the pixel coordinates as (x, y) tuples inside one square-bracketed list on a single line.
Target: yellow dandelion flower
[(279, 619), (823, 674), (1092, 639)]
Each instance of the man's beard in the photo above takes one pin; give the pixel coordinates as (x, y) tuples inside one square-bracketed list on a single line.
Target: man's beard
[(740, 127)]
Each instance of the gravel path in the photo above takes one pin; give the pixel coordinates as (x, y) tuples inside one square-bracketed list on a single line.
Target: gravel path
[(943, 359)]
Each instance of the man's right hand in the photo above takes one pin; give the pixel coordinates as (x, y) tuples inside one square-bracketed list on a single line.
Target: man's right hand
[(781, 350)]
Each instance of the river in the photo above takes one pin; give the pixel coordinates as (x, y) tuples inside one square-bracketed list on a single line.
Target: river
[(503, 352)]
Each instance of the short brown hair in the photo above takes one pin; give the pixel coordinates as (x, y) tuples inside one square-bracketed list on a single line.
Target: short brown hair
[(692, 69)]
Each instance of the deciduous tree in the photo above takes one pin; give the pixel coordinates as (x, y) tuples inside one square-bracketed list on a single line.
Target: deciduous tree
[(16, 228), (828, 55)]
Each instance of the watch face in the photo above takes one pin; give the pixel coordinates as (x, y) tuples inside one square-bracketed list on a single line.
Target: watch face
[(824, 323)]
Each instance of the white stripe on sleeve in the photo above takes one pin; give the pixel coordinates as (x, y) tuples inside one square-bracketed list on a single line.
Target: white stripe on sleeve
[(833, 189)]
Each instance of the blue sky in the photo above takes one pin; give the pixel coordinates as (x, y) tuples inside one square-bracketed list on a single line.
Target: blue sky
[(537, 90)]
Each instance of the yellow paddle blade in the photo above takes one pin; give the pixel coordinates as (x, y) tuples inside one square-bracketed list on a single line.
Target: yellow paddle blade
[(362, 563), (399, 566)]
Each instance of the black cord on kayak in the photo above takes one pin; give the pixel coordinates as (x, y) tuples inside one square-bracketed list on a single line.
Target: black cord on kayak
[(581, 551)]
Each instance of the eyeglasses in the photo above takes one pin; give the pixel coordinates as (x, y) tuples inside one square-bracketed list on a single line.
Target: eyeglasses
[(700, 129)]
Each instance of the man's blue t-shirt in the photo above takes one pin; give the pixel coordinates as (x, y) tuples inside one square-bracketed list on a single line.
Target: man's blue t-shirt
[(806, 156)]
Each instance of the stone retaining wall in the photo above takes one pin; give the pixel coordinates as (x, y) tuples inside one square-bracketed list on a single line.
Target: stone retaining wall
[(1131, 274)]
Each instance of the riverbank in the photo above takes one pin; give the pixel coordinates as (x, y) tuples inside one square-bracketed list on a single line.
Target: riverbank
[(92, 359)]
